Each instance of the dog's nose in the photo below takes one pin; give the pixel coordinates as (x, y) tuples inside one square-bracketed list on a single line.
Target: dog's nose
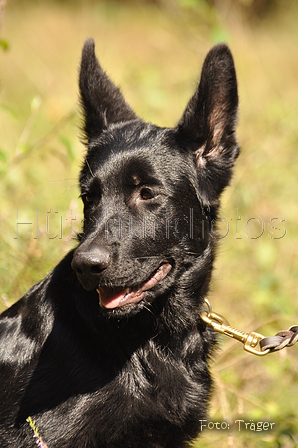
[(91, 262)]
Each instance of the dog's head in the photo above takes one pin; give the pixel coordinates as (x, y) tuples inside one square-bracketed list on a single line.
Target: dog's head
[(151, 194)]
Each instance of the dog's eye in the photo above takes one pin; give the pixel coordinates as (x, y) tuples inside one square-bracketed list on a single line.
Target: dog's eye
[(146, 193), (87, 198)]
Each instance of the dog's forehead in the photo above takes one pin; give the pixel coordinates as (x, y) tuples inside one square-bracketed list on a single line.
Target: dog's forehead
[(137, 151), (124, 137)]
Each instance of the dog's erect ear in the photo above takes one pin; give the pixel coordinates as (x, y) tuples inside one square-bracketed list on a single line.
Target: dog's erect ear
[(102, 102), (209, 121)]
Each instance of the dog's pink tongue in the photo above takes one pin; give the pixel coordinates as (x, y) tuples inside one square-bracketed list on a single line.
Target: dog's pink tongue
[(110, 299)]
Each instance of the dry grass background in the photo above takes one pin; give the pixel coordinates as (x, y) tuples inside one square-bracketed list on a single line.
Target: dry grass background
[(155, 53)]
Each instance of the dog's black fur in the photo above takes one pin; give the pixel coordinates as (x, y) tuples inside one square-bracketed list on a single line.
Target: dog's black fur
[(131, 370)]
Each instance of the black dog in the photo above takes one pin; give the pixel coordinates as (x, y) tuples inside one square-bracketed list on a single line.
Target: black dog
[(109, 350)]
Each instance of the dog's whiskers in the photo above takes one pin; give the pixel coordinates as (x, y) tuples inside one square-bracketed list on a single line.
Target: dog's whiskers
[(148, 308), (87, 163)]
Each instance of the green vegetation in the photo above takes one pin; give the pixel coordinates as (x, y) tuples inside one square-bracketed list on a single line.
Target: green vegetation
[(155, 51)]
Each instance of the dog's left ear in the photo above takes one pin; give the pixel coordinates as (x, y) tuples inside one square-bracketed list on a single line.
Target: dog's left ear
[(209, 121), (103, 103)]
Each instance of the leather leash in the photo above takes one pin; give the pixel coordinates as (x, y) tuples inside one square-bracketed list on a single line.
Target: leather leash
[(253, 342)]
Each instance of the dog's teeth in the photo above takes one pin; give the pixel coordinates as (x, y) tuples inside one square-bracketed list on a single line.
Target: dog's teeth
[(99, 298), (127, 290)]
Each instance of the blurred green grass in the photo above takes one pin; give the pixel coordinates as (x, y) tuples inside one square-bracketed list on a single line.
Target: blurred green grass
[(155, 53)]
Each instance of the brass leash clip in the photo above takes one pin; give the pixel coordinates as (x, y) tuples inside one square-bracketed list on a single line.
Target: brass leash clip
[(250, 340)]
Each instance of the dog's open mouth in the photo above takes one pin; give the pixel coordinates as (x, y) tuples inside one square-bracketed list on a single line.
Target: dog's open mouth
[(115, 297)]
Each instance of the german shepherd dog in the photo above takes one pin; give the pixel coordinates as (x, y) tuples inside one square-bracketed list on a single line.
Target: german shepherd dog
[(109, 351)]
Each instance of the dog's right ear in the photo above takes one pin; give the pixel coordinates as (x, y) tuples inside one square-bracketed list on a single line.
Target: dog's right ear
[(209, 121), (102, 102)]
